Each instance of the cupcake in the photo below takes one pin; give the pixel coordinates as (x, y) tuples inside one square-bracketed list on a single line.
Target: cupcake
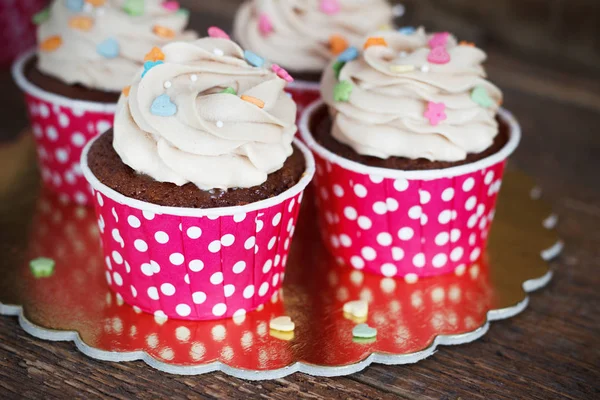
[(87, 53), (411, 144), (303, 37), (198, 186)]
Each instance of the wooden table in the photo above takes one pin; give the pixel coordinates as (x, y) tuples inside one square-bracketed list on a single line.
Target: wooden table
[(552, 350)]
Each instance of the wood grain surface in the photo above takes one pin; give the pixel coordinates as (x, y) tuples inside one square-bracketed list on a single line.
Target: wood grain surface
[(550, 351)]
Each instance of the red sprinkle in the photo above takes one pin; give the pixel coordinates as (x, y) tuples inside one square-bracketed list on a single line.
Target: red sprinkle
[(438, 55), (439, 39)]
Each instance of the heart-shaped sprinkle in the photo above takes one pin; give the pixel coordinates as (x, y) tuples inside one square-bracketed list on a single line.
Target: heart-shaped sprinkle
[(337, 68), (265, 26), (126, 91), (254, 59), (109, 48), (282, 324), (407, 30), (439, 39), (402, 69), (41, 17), (163, 32), (155, 54), (364, 331), (480, 96), (51, 44), (162, 106), (330, 7), (134, 7), (170, 5), (282, 73), (148, 65), (350, 54), (42, 267), (337, 44), (438, 55), (435, 112), (75, 5), (229, 90), (357, 308), (215, 32), (342, 91), (287, 336), (375, 41), (253, 100), (81, 23)]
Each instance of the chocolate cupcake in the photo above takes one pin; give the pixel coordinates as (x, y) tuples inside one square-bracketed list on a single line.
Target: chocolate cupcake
[(87, 53), (411, 144), (200, 172)]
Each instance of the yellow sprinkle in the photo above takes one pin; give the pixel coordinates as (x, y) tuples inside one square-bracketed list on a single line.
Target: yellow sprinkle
[(401, 69), (155, 54), (257, 102), (164, 32), (385, 27), (81, 23), (52, 43), (126, 90)]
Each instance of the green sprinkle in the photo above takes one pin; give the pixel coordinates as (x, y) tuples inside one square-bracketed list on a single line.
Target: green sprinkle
[(42, 16), (134, 7), (342, 91), (229, 90), (364, 340), (337, 67), (42, 267), (480, 96), (364, 331), (184, 11)]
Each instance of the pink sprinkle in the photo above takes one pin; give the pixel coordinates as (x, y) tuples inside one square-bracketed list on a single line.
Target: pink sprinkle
[(435, 112), (215, 32), (264, 24), (171, 5), (282, 73), (439, 39), (330, 7), (438, 55)]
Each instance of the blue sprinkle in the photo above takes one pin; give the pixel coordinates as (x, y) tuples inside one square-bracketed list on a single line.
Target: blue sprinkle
[(148, 65), (109, 48), (162, 106), (254, 59), (407, 30), (75, 5), (351, 53)]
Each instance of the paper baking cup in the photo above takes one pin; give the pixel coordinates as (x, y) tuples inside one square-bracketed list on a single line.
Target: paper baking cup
[(17, 30), (196, 264), (62, 127), (303, 93), (400, 223)]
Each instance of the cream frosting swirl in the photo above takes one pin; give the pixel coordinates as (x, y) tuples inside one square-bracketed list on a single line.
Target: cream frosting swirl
[(301, 30), (102, 47), (385, 114), (213, 139)]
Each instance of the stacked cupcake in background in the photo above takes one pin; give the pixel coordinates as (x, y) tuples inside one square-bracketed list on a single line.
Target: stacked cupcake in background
[(87, 53)]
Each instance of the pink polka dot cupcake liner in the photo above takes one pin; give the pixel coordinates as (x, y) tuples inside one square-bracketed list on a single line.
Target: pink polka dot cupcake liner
[(196, 264), (408, 224), (303, 93), (61, 128)]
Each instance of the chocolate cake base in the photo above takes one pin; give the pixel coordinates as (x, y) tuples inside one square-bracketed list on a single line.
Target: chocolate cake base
[(321, 123), (56, 86), (107, 166)]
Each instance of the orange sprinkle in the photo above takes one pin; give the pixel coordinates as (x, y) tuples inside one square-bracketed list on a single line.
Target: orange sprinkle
[(257, 102), (337, 44), (164, 32), (126, 90), (154, 55), (51, 44), (465, 43), (96, 3), (375, 41), (81, 23)]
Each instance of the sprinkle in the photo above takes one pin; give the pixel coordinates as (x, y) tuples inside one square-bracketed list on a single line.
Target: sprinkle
[(155, 54), (330, 7), (374, 41), (96, 3), (282, 73), (257, 102), (342, 91), (148, 65), (351, 53), (219, 124), (184, 12), (52, 43), (75, 5), (425, 68), (435, 113), (282, 324), (407, 30), (439, 39), (385, 27), (218, 52), (438, 55), (126, 90), (41, 17), (480, 96), (403, 54), (215, 32), (167, 84), (337, 44), (81, 23), (401, 69), (465, 43), (287, 336), (357, 308), (134, 7), (108, 48), (42, 267), (337, 68), (229, 90), (254, 59), (162, 106), (265, 26), (163, 32), (193, 77), (88, 8), (170, 5), (364, 331), (398, 10)]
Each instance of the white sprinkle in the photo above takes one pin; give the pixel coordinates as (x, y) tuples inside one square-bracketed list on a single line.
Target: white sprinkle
[(425, 68), (219, 124), (168, 84), (194, 77), (218, 52)]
